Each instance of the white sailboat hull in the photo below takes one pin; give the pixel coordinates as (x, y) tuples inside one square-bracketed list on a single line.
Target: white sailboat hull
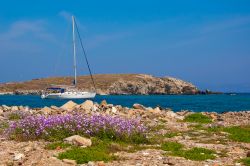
[(69, 95)]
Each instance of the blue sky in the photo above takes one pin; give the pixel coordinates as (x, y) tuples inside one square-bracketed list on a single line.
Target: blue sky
[(205, 42)]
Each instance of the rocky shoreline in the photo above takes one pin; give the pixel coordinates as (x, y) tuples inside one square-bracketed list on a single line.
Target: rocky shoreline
[(208, 130)]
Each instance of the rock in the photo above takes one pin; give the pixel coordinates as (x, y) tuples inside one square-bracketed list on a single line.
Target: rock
[(18, 156), (248, 154), (71, 162), (103, 103), (54, 107), (79, 141), (20, 108), (28, 149), (91, 163), (87, 105), (171, 114), (155, 111), (95, 108), (147, 84), (100, 163), (46, 110), (139, 106), (114, 110), (214, 117), (5, 107), (14, 108), (69, 105)]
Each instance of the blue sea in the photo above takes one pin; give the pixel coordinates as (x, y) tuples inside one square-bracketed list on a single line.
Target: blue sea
[(197, 103)]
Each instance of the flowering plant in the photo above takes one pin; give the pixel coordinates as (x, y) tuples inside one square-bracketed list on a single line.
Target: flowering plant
[(57, 127)]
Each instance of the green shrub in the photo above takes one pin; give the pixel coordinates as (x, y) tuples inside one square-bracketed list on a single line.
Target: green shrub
[(171, 146), (198, 118), (240, 134), (14, 116), (197, 154), (246, 161), (99, 152), (3, 126)]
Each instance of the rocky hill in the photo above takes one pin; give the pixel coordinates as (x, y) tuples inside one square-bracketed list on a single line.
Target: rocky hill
[(108, 84)]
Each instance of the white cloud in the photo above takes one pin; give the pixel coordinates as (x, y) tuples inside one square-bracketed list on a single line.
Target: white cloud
[(23, 28), (24, 36)]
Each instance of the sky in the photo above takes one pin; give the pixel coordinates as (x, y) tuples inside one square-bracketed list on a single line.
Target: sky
[(204, 42)]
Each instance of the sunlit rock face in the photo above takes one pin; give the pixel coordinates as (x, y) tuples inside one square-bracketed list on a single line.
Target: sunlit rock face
[(146, 84)]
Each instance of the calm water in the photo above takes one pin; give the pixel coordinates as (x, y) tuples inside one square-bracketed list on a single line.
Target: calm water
[(217, 103)]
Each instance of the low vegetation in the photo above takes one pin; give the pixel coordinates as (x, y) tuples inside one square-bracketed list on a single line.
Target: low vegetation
[(246, 161), (198, 154), (58, 127), (17, 115), (172, 146), (236, 133), (198, 118), (57, 145), (3, 126), (171, 134), (240, 134), (84, 155), (101, 150)]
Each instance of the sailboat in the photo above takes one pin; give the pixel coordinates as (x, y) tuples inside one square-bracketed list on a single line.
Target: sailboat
[(71, 92)]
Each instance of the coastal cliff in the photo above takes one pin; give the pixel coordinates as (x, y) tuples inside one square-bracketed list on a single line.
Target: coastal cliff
[(108, 84)]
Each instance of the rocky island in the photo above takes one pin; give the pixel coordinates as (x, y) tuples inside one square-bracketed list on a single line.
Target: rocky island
[(117, 84), (102, 134)]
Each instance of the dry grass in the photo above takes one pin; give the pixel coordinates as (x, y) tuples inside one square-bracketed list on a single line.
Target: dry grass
[(103, 81)]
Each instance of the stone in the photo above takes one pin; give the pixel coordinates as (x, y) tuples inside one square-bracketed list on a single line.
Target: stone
[(103, 103), (14, 108), (69, 105), (114, 110), (20, 108), (87, 105), (54, 107), (138, 106), (171, 114), (100, 163), (5, 107), (213, 116), (68, 161), (79, 141), (28, 149), (95, 108), (248, 154), (18, 156), (46, 110), (180, 117), (91, 163), (155, 111)]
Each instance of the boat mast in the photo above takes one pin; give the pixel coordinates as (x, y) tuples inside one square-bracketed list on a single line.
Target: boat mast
[(74, 48)]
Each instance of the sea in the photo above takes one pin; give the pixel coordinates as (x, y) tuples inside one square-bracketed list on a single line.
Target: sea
[(197, 103)]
